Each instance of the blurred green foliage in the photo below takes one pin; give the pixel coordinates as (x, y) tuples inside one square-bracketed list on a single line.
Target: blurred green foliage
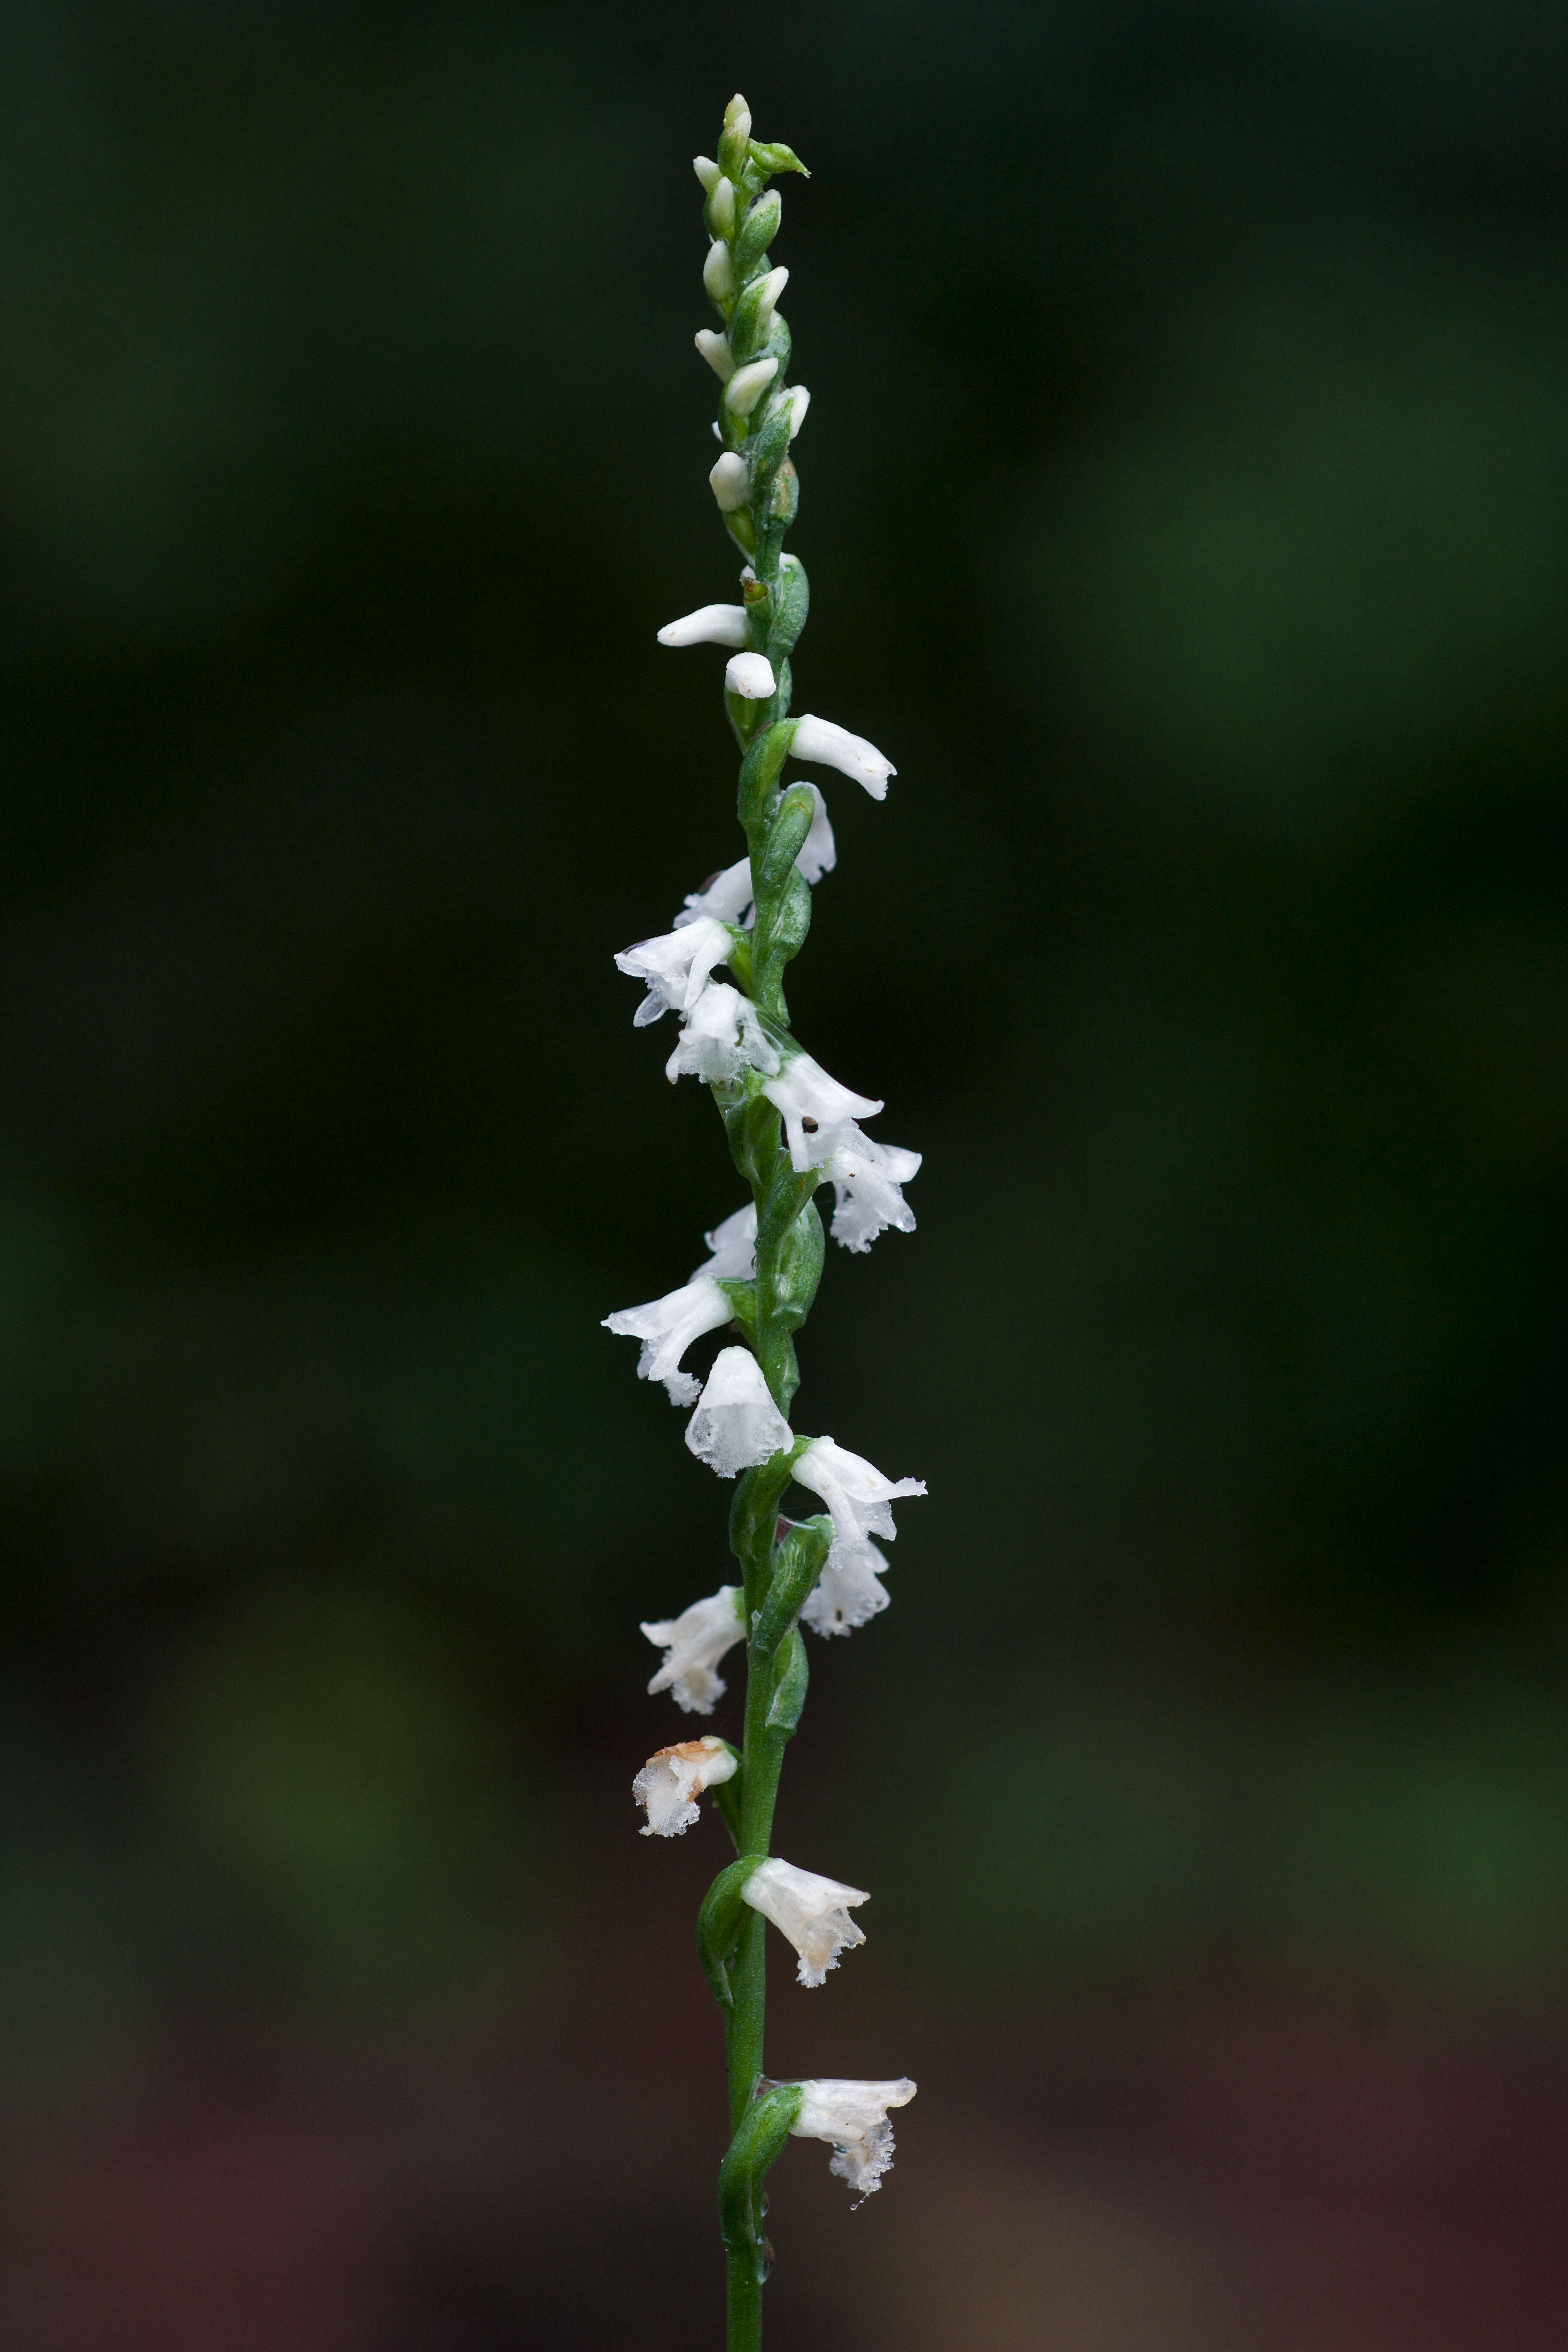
[(1185, 499)]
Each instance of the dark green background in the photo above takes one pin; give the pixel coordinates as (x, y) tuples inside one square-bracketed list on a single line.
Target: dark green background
[(1185, 501)]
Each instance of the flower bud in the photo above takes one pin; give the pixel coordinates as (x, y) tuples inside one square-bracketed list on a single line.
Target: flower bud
[(736, 1424), (669, 1783), (747, 386), (751, 676), (731, 486), (708, 172), (721, 208), (821, 738), (719, 273), (737, 132), (758, 230), (715, 349), (799, 401), (711, 624), (774, 284)]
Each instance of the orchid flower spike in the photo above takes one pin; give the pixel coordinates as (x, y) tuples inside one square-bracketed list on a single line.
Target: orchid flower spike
[(721, 1035), (853, 2120), (817, 1109), (727, 896), (676, 967), (711, 624), (693, 1645), (667, 1326), (866, 1178), (736, 1423), (813, 1912), (669, 1783), (819, 739)]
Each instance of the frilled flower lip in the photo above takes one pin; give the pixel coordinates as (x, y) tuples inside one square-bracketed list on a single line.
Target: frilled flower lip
[(693, 1645), (852, 2117), (811, 1910), (736, 1424)]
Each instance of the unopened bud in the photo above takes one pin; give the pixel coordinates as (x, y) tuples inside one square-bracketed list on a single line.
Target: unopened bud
[(758, 231), (751, 676), (774, 284), (799, 401), (707, 171), (722, 209), (731, 486), (719, 272), (747, 386), (715, 350), (737, 132)]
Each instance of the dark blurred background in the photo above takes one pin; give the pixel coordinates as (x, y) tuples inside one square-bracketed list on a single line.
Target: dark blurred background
[(1185, 500)]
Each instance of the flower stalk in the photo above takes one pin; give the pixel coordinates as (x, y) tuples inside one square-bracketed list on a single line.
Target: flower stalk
[(791, 1129)]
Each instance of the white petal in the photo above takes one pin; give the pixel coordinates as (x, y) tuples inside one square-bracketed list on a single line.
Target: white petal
[(751, 676), (819, 851), (719, 272), (812, 1911), (675, 966), (774, 284), (747, 386), (715, 349), (708, 172), (799, 401), (853, 2118), (669, 1783), (666, 1327), (693, 1645), (711, 624), (727, 898), (815, 1108), (866, 1178), (848, 1592), (820, 738), (855, 1491), (729, 483), (734, 1245), (736, 1423), (721, 1037)]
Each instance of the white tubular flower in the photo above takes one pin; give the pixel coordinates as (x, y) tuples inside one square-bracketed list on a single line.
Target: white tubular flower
[(729, 483), (711, 624), (721, 1035), (727, 898), (848, 1592), (799, 401), (719, 272), (676, 967), (866, 1178), (666, 1327), (812, 1912), (747, 386), (669, 1783), (723, 194), (715, 349), (819, 739), (817, 1109), (751, 676), (693, 1645), (734, 1247), (736, 1423), (774, 284), (819, 851), (708, 172), (856, 1493), (852, 2117)]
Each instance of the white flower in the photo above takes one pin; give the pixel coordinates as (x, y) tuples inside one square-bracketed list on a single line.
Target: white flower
[(866, 1178), (819, 851), (812, 1912), (719, 271), (799, 401), (693, 1645), (731, 484), (815, 1108), (676, 967), (853, 2118), (666, 1327), (819, 739), (711, 624), (722, 205), (669, 1783), (708, 172), (734, 1245), (736, 1423), (747, 386), (848, 1592), (751, 676), (727, 896), (774, 284), (721, 1035), (855, 1491), (715, 349)]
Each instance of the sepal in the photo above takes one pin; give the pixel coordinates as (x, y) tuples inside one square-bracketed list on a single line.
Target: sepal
[(785, 936), (754, 1513), (756, 232), (761, 770), (771, 155), (799, 1561), (791, 822), (797, 1265), (789, 1687), (742, 1297), (765, 2126), (719, 1923), (751, 1126), (792, 602)]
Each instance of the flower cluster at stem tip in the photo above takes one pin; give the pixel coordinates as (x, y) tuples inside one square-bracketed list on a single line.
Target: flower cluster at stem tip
[(792, 1129)]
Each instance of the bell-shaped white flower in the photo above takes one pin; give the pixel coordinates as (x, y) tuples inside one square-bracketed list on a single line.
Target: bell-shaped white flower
[(852, 2117), (730, 481), (866, 1178), (669, 1783), (715, 349), (813, 1912), (819, 739), (817, 1109), (693, 1645), (711, 624), (848, 1592), (721, 1035), (819, 851), (860, 1499), (727, 896), (751, 676), (736, 1423), (666, 1327), (748, 384), (676, 967)]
